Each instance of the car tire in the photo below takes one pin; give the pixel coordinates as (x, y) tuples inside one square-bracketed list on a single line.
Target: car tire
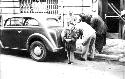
[(38, 51)]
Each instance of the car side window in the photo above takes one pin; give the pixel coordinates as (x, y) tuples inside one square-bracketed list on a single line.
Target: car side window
[(53, 22), (31, 22), (14, 22)]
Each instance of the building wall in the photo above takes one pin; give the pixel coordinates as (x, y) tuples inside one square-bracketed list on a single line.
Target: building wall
[(80, 6), (56, 7), (47, 6)]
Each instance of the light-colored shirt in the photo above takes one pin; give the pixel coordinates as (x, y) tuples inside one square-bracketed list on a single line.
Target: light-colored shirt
[(86, 28), (87, 32)]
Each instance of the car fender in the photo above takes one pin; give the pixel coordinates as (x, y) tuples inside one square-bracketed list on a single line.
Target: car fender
[(44, 39), (1, 45)]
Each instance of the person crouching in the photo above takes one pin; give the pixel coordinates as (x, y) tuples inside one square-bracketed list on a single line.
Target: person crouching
[(87, 42)]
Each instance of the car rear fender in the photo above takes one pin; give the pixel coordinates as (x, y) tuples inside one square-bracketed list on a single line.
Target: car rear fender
[(42, 38), (1, 45)]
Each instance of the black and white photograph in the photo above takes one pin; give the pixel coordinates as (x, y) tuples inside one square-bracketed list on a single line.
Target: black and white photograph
[(62, 39)]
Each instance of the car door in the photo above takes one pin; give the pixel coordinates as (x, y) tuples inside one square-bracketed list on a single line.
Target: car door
[(30, 26), (10, 33)]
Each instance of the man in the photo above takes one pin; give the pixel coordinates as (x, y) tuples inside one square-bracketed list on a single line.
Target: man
[(71, 20), (100, 27), (87, 42)]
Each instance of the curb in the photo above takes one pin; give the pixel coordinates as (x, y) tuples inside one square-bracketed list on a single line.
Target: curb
[(119, 58)]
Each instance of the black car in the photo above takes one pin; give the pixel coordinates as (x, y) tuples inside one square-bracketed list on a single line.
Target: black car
[(38, 37)]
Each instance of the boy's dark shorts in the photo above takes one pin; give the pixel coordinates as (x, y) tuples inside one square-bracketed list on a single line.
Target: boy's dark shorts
[(70, 47)]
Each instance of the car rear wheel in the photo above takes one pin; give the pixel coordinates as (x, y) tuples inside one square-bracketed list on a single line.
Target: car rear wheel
[(38, 51)]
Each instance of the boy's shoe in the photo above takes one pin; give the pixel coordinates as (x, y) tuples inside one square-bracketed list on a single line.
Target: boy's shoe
[(69, 62)]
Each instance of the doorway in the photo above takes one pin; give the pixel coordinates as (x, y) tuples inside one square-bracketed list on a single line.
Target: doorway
[(112, 19)]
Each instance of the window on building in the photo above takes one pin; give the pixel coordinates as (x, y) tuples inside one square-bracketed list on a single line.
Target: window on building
[(39, 0), (43, 0)]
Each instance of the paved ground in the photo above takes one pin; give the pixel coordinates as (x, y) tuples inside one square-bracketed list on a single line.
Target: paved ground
[(115, 47), (18, 65)]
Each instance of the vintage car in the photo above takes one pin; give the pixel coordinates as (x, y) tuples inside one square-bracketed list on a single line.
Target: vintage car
[(38, 36)]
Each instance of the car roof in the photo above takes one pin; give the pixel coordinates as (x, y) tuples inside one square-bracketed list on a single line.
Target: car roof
[(29, 15), (39, 17)]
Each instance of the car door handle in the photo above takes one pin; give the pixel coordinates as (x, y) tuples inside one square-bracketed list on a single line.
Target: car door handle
[(19, 31)]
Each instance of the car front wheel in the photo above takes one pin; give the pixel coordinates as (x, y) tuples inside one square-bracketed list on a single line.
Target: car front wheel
[(38, 51)]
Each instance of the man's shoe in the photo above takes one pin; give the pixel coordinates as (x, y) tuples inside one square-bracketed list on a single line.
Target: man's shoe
[(90, 59)]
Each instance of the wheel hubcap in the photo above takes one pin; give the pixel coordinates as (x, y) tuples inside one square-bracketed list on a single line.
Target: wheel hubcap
[(37, 50)]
